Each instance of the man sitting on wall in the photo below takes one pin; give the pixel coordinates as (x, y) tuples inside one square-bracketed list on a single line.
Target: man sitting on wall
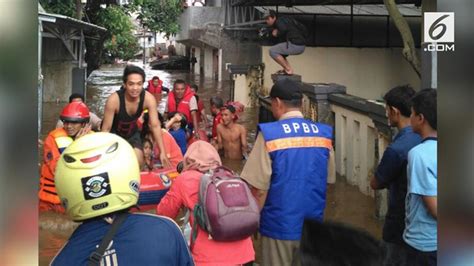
[(291, 35)]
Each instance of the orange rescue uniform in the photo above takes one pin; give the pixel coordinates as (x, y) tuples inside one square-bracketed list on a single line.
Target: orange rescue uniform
[(54, 144)]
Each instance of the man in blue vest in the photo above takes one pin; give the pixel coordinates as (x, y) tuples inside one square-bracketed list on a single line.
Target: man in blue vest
[(287, 170)]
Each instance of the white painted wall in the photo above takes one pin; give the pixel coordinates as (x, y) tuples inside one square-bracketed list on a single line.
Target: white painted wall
[(208, 61), (366, 72), (241, 89), (356, 136)]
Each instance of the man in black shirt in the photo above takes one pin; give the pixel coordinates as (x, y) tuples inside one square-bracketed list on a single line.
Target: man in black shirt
[(291, 35), (123, 109), (391, 172)]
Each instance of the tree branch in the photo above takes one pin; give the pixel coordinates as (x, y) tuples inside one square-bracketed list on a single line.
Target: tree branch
[(78, 9), (409, 51)]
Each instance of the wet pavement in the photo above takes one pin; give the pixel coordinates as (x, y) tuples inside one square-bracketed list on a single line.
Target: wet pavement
[(344, 202)]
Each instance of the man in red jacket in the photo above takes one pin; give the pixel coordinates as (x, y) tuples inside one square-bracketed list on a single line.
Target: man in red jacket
[(182, 100), (156, 88)]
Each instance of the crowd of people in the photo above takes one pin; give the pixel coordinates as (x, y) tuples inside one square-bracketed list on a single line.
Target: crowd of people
[(95, 177)]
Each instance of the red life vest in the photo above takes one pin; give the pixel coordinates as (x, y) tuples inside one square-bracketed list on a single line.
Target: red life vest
[(183, 106), (155, 89)]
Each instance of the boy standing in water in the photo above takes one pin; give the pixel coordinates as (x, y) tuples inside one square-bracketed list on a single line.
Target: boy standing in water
[(231, 137)]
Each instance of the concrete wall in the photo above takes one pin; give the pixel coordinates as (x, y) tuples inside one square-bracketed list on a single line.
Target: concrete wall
[(242, 90), (214, 3), (366, 72), (180, 49), (57, 65), (57, 83), (201, 28), (239, 53), (198, 18), (355, 140)]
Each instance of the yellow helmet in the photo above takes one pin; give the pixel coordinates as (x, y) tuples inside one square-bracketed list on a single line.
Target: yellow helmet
[(96, 175)]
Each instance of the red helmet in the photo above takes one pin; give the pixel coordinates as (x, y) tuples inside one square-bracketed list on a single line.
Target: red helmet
[(75, 112)]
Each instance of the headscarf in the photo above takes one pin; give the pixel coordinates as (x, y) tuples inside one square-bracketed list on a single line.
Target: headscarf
[(201, 156)]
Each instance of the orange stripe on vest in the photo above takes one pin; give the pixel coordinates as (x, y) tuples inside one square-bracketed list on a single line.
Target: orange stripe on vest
[(298, 142)]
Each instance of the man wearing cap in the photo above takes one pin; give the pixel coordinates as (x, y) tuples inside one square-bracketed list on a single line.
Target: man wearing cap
[(291, 35), (287, 170)]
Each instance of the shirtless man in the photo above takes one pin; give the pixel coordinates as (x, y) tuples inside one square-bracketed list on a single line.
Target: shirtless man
[(231, 137), (124, 107)]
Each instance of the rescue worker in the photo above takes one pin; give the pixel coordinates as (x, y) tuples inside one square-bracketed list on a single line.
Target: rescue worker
[(75, 117), (98, 181), (182, 100), (288, 170), (95, 121), (156, 88)]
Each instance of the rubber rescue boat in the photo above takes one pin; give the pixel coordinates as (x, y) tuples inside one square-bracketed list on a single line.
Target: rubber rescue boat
[(153, 187)]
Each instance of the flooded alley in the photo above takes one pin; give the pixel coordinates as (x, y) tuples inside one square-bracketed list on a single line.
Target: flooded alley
[(344, 202)]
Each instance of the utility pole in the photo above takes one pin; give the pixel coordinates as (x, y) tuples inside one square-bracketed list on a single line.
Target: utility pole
[(144, 47)]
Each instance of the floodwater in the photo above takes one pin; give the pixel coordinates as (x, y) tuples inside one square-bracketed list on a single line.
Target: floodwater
[(344, 202)]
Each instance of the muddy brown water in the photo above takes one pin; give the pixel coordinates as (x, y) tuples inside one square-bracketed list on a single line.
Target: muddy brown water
[(344, 202)]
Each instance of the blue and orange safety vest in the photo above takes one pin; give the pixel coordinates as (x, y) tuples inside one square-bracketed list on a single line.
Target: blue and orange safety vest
[(299, 151)]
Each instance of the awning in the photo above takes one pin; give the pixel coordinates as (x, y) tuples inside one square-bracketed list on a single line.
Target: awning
[(290, 3), (62, 20), (66, 29)]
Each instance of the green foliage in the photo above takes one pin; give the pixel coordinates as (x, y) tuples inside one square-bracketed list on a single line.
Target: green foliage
[(154, 15), (62, 7), (158, 16), (121, 43)]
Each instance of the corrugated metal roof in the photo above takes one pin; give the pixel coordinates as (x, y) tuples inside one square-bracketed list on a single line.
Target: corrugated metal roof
[(371, 10), (48, 17), (315, 2)]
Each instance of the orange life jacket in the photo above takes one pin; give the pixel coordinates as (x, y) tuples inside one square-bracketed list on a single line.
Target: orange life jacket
[(183, 106), (55, 143)]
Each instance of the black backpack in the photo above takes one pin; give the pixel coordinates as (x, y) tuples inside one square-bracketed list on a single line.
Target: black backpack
[(295, 24), (302, 28)]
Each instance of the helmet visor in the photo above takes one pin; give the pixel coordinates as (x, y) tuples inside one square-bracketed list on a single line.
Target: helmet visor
[(67, 119)]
